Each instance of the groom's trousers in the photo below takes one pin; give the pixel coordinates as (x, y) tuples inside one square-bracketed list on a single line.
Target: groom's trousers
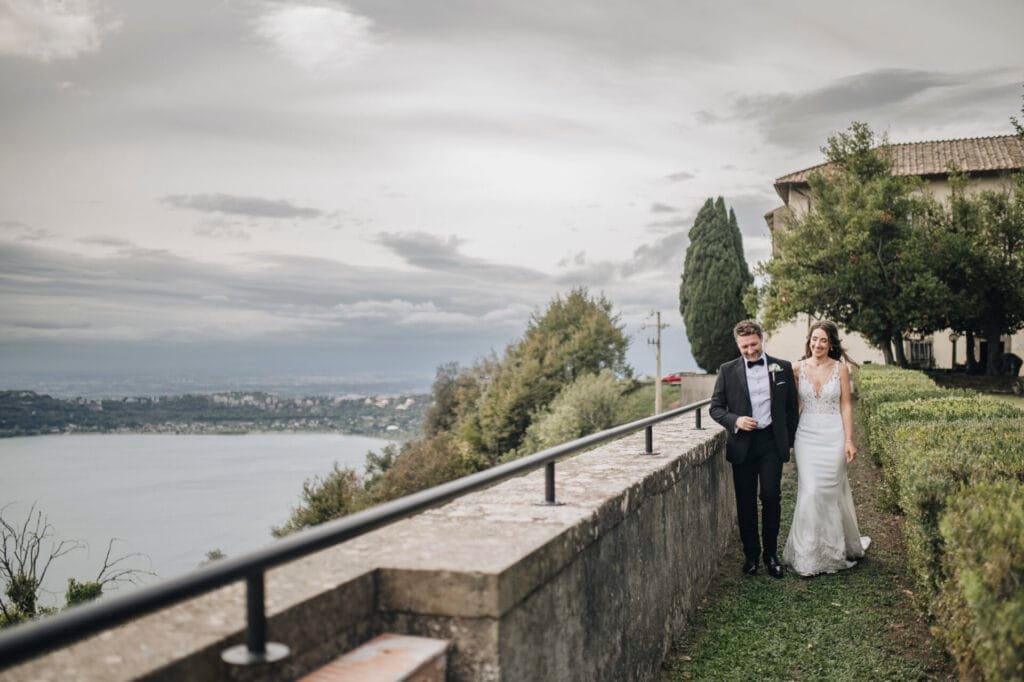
[(762, 469)]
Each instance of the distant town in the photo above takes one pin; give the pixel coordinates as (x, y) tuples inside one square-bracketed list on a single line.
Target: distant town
[(27, 413)]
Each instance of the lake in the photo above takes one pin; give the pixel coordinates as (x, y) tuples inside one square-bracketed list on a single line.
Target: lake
[(171, 498)]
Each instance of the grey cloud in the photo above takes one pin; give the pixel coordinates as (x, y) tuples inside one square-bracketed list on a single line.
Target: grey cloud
[(707, 117), (665, 252), (853, 93), (579, 259), (11, 224), (597, 275), (47, 325), (658, 207), (671, 224), (613, 29), (750, 210), (280, 307), (435, 253), (228, 204), (34, 234), (681, 176), (222, 231), (662, 255), (105, 240), (276, 295), (804, 120), (53, 31)]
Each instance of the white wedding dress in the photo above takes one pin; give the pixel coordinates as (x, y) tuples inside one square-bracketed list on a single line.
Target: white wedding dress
[(823, 537)]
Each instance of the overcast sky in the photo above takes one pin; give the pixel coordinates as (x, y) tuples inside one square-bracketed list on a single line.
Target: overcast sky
[(374, 187)]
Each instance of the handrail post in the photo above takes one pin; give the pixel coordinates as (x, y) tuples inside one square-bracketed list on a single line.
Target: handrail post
[(256, 649), (649, 441), (256, 632), (549, 486), (697, 426)]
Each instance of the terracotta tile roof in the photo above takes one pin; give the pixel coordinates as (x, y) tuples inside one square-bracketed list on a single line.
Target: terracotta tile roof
[(974, 155)]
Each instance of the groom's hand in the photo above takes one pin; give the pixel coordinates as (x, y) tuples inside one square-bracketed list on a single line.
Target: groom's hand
[(746, 423)]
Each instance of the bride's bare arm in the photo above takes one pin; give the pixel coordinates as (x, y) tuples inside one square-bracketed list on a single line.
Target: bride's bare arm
[(846, 408)]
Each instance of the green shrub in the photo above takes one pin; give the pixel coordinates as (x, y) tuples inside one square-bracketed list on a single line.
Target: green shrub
[(954, 462), (877, 386), (81, 592), (953, 407), (868, 377), (591, 403), (932, 463), (424, 463), (982, 606), (338, 493)]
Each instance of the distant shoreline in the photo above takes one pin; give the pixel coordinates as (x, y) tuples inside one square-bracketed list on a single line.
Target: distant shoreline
[(213, 430), (27, 413)]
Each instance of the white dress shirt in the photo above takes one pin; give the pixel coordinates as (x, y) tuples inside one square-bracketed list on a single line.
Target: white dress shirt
[(759, 386)]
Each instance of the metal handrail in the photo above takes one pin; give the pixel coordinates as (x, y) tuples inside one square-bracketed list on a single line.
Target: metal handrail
[(25, 641)]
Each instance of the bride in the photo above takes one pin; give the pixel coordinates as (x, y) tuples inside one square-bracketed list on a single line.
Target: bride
[(824, 537)]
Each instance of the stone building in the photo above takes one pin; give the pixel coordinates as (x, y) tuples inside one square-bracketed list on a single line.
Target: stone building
[(989, 163)]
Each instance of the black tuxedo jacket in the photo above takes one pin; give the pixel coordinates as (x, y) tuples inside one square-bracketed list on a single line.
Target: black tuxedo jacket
[(731, 400)]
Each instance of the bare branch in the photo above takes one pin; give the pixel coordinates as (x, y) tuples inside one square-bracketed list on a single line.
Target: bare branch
[(112, 573)]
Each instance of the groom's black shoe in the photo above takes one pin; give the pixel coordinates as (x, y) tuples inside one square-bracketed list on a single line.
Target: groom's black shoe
[(774, 567), (750, 567)]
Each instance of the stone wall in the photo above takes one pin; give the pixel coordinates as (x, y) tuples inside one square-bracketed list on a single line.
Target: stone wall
[(594, 589)]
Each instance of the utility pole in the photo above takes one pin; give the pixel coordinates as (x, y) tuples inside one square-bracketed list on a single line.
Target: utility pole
[(656, 342)]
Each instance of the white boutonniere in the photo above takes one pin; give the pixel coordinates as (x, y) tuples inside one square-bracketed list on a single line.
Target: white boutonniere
[(773, 368)]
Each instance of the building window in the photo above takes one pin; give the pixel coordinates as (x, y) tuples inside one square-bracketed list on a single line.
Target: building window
[(921, 353)]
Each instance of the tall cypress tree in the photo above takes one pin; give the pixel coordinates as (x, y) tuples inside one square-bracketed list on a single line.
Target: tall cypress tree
[(715, 277)]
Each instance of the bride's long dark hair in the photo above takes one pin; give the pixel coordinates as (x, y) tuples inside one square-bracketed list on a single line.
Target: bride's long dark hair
[(835, 347)]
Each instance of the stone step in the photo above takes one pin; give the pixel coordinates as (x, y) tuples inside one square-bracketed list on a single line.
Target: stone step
[(388, 658)]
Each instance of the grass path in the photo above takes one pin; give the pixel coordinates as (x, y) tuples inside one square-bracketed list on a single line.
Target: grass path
[(858, 624)]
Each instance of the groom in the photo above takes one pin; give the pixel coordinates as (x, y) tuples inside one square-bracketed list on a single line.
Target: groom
[(755, 400)]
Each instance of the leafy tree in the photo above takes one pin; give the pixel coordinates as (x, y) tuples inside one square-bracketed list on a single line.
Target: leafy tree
[(455, 394), (378, 465), (862, 255), (26, 552), (714, 280), (215, 554), (425, 463), (591, 403), (112, 572), (79, 593), (443, 411), (575, 335), (982, 235), (338, 493)]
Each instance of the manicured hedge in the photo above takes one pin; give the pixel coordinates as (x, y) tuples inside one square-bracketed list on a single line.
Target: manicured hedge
[(981, 612), (933, 463), (877, 386), (939, 412), (954, 462)]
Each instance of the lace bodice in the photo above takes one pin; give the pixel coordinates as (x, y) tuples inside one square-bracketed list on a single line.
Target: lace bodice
[(825, 402)]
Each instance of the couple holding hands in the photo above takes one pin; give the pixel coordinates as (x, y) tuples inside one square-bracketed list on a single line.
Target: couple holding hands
[(768, 406)]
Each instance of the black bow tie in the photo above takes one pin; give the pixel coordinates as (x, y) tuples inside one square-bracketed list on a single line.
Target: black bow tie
[(755, 363)]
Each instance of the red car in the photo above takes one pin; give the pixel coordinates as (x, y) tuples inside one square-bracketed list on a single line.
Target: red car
[(672, 378)]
